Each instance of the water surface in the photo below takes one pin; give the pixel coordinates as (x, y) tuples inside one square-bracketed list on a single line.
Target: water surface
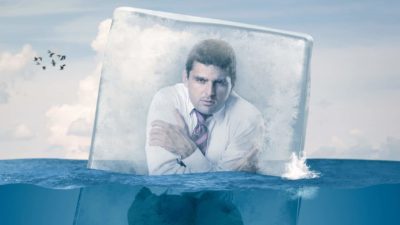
[(55, 191)]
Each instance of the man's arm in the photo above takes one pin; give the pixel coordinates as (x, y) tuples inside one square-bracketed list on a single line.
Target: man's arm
[(173, 138), (168, 139), (245, 144), (171, 151), (240, 155)]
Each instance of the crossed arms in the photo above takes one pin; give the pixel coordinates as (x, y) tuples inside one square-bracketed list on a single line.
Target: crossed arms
[(170, 150)]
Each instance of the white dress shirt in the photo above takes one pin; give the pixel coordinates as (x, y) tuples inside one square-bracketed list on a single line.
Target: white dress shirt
[(233, 131)]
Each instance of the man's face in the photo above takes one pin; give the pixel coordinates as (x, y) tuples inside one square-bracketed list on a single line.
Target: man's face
[(209, 87)]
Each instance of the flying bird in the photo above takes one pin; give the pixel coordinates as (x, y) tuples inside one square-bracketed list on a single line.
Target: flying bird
[(50, 53), (38, 60)]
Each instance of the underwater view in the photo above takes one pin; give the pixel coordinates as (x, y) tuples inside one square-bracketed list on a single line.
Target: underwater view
[(57, 191)]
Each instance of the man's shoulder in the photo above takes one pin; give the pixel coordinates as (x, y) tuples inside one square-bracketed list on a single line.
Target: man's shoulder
[(240, 107), (243, 117)]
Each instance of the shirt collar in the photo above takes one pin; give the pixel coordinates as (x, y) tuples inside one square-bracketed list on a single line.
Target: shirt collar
[(218, 116)]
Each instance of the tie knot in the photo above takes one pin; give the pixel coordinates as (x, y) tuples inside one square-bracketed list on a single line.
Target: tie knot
[(201, 117)]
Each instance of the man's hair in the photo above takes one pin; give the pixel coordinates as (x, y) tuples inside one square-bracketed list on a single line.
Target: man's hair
[(213, 52)]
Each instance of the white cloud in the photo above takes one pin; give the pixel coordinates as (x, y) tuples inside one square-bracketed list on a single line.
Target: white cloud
[(23, 132), (100, 42), (359, 147), (71, 125), (20, 132), (355, 132), (80, 127), (390, 149), (14, 66), (13, 63), (362, 87)]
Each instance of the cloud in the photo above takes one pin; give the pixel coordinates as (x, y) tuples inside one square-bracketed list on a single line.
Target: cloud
[(390, 148), (23, 132), (80, 127), (4, 95), (100, 42), (14, 66), (357, 146), (20, 132), (71, 125), (13, 63), (362, 88)]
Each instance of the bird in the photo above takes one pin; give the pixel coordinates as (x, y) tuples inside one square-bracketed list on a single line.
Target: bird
[(50, 53), (37, 58)]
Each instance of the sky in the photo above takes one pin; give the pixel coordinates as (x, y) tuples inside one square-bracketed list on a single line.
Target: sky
[(355, 76)]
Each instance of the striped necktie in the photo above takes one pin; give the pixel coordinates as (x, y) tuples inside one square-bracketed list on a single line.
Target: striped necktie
[(200, 132)]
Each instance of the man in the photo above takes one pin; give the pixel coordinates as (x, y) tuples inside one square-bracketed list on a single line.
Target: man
[(201, 125)]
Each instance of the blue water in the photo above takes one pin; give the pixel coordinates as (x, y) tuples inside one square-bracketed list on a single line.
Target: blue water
[(54, 191)]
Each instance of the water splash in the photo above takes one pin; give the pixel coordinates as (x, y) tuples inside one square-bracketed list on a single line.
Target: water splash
[(297, 168)]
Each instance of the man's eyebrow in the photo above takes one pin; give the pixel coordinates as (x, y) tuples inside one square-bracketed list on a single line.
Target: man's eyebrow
[(198, 77), (221, 79)]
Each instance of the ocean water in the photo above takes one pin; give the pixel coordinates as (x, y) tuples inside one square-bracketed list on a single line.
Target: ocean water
[(55, 192)]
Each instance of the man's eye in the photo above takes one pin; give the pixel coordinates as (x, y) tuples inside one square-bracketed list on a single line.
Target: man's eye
[(202, 81), (221, 82)]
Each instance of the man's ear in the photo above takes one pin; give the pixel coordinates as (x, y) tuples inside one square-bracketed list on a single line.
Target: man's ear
[(184, 78)]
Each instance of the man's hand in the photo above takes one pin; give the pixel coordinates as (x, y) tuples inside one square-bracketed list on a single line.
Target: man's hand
[(173, 138)]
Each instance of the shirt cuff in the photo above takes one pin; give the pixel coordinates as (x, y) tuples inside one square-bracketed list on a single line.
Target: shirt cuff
[(197, 162)]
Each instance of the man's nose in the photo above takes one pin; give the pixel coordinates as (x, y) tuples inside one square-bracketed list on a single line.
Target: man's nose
[(210, 89)]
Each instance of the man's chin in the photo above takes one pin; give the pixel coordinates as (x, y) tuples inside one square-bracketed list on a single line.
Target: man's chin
[(207, 110)]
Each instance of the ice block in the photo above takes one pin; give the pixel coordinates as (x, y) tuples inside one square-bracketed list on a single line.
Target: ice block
[(146, 50)]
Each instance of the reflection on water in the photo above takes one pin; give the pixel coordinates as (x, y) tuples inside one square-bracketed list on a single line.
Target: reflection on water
[(118, 204), (186, 209)]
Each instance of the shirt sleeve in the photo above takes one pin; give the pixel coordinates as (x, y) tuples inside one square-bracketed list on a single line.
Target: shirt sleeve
[(159, 160), (246, 137)]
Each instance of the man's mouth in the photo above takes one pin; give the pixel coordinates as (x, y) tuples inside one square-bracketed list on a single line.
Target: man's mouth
[(208, 102)]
